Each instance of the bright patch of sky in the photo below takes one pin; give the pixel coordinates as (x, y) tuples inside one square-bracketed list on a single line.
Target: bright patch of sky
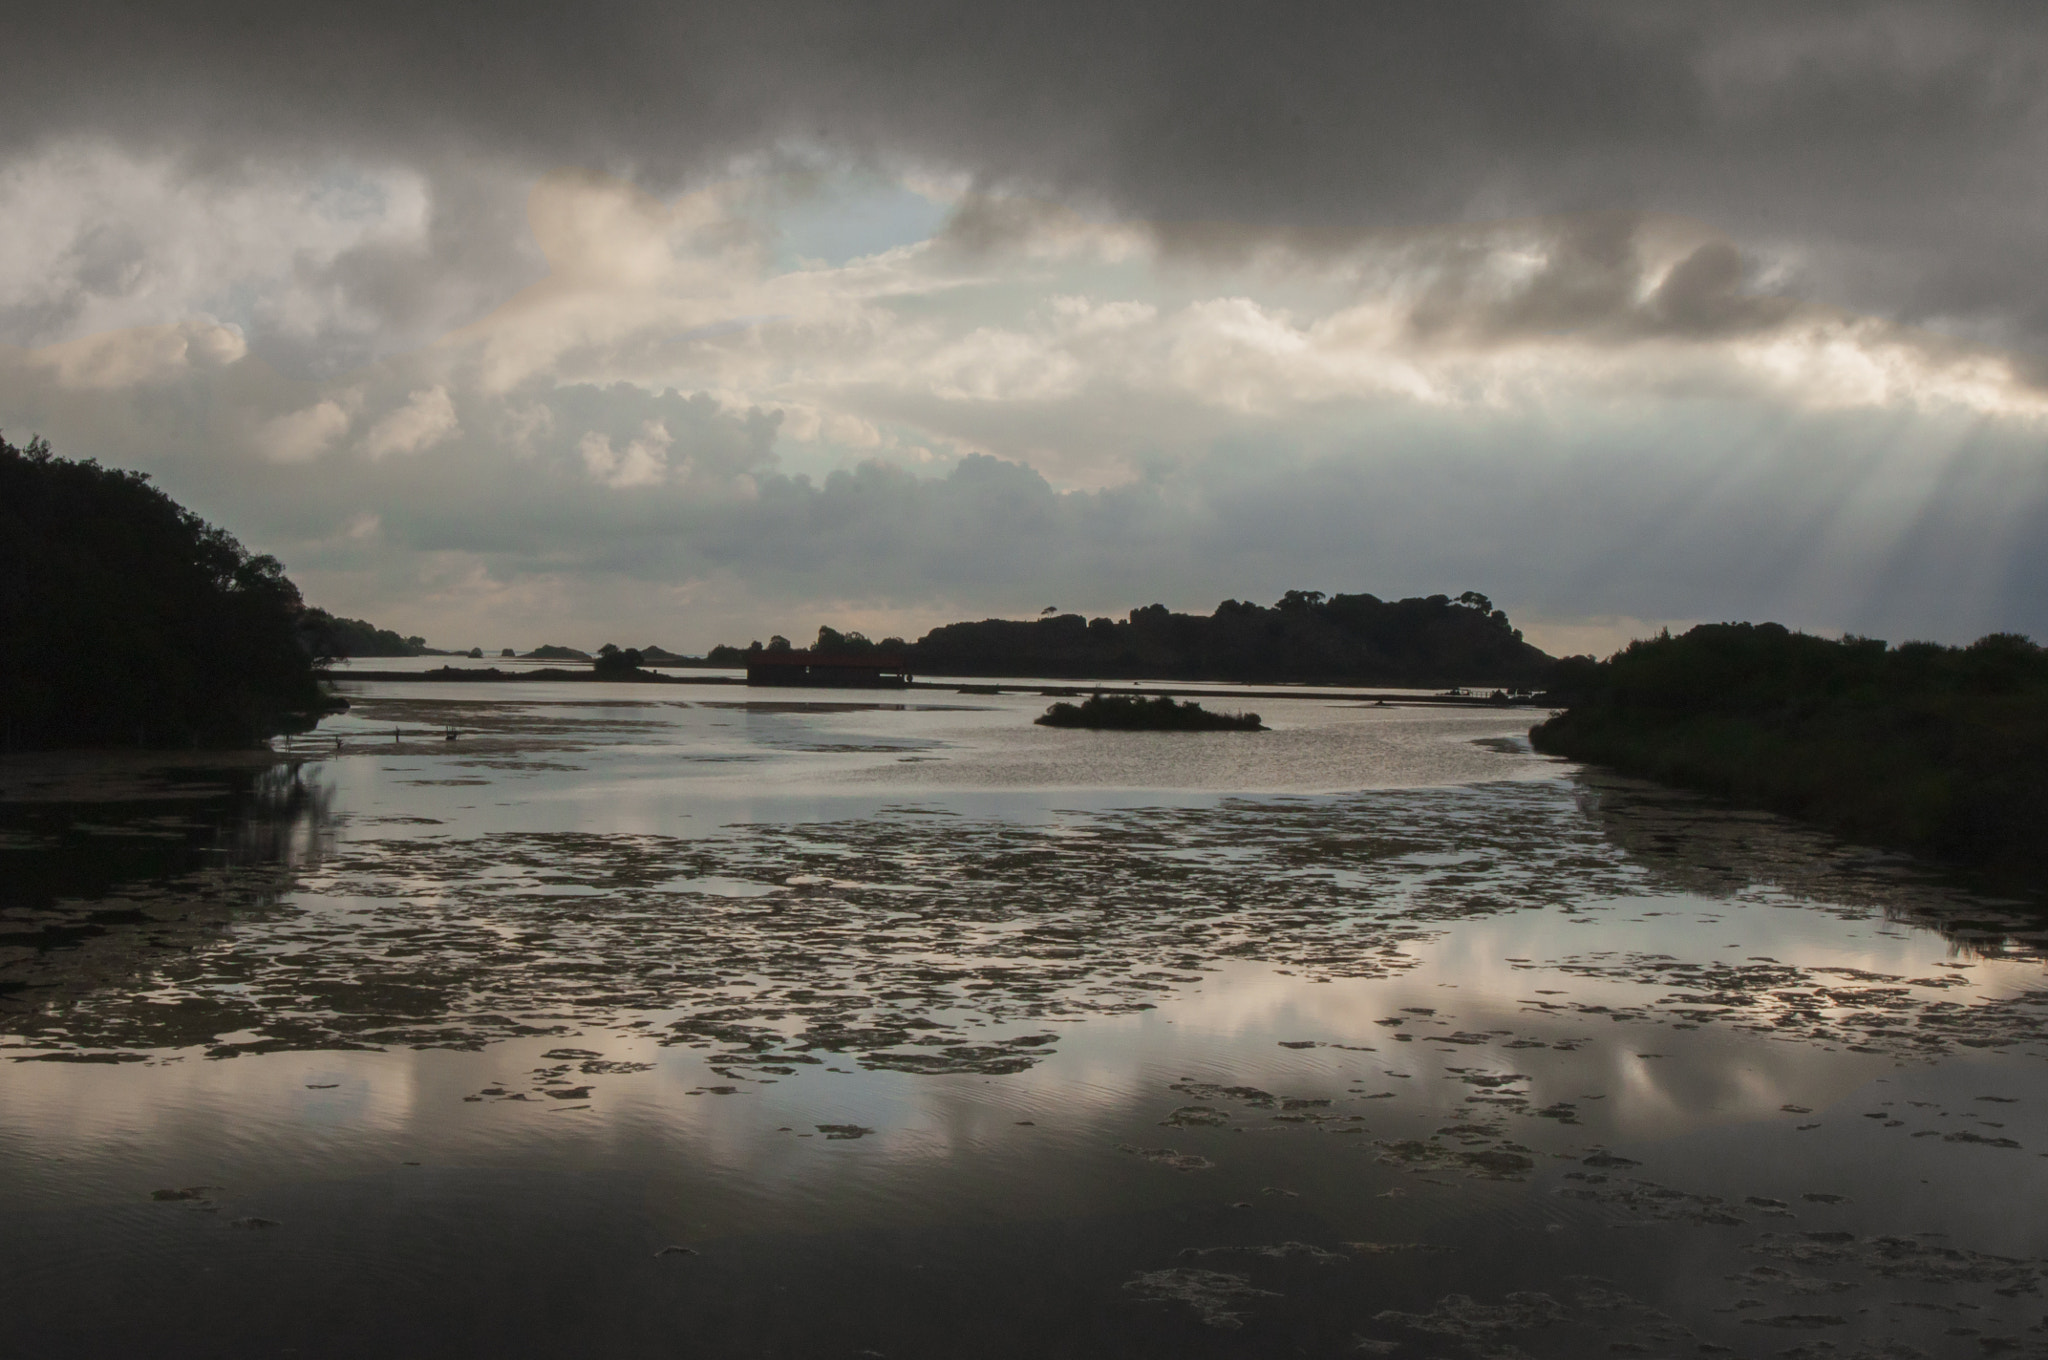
[(851, 216)]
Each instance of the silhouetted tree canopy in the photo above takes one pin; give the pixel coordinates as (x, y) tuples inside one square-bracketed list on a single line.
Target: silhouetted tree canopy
[(126, 619), (833, 642), (612, 661), (337, 637), (1305, 636), (1938, 749)]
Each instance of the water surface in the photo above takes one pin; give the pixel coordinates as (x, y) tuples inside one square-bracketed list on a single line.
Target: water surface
[(715, 1021)]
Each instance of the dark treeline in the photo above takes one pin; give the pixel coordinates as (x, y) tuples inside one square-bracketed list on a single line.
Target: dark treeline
[(1306, 636), (830, 641), (1940, 750), (649, 655), (125, 619), (339, 638)]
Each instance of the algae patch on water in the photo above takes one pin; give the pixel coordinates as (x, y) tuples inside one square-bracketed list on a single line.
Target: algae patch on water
[(912, 945)]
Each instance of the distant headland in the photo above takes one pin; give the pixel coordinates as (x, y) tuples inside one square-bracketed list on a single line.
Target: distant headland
[(1306, 637)]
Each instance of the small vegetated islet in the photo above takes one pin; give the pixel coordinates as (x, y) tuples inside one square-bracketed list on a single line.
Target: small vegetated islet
[(1133, 713)]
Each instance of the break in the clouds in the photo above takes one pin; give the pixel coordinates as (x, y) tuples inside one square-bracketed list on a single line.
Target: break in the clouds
[(682, 322)]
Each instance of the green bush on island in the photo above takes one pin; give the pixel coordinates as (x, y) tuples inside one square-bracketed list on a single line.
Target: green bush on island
[(125, 619), (1934, 749), (1133, 713)]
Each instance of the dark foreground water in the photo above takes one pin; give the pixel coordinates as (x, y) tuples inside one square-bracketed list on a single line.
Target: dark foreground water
[(721, 1024)]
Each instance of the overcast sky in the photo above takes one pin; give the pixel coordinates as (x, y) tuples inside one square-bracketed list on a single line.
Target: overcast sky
[(679, 323)]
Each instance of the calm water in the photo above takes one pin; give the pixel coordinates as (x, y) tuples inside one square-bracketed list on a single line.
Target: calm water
[(707, 1021)]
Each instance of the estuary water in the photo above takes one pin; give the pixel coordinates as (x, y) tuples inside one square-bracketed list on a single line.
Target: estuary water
[(625, 1020)]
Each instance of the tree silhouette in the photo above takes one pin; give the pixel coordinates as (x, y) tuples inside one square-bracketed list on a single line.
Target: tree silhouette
[(613, 662), (1930, 748), (127, 619)]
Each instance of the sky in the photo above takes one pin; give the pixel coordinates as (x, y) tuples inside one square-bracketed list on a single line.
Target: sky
[(680, 323)]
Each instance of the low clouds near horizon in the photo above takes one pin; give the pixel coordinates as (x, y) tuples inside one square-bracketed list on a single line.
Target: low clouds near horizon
[(1743, 324)]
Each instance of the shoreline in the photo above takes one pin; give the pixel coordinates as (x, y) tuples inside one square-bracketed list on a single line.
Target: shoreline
[(1391, 698)]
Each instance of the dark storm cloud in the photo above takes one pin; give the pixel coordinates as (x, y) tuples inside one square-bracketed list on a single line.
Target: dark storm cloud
[(1894, 150), (474, 250), (1596, 283)]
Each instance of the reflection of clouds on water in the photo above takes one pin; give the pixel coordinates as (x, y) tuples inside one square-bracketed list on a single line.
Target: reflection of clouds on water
[(1246, 1012), (888, 938), (1527, 1010), (886, 943)]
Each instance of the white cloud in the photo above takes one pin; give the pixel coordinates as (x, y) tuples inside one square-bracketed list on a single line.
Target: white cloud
[(302, 436), (643, 462), (145, 356), (426, 419), (323, 262), (1595, 422), (1517, 314)]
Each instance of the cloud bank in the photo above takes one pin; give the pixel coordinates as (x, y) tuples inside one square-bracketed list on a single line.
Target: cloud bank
[(920, 311)]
